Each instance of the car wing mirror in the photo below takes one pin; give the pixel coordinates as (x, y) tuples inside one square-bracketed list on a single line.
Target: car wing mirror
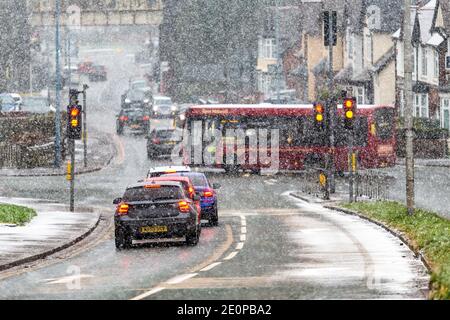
[(117, 201), (216, 186)]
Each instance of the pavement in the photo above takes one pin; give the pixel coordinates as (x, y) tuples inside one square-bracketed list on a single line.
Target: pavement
[(101, 149), (52, 230), (444, 162)]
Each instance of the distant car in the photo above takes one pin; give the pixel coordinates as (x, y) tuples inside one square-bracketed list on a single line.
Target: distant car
[(85, 67), (160, 142), (37, 105), (159, 171), (207, 193), (98, 73), (136, 99), (163, 107), (135, 119), (153, 211), (140, 84), (8, 104), (17, 98)]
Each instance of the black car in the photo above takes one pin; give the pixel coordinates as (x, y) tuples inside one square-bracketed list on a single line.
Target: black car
[(160, 142), (136, 99), (155, 211), (137, 120)]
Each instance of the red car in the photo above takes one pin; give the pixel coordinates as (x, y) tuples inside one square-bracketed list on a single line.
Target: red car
[(85, 67), (187, 185)]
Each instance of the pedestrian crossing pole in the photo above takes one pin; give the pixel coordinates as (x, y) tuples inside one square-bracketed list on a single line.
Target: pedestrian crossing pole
[(85, 87), (71, 174)]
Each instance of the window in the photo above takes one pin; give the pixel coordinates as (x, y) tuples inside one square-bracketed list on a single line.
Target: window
[(267, 48), (358, 92), (374, 17), (445, 114), (424, 62), (436, 64), (350, 45), (421, 106)]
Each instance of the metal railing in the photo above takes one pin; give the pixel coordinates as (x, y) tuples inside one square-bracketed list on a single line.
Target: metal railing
[(373, 185)]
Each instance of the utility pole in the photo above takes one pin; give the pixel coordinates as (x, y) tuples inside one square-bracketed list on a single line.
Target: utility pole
[(408, 66), (330, 30), (277, 40), (84, 136), (58, 88)]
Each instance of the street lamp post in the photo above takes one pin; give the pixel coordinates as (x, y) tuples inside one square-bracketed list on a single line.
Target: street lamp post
[(58, 87), (277, 40), (408, 70)]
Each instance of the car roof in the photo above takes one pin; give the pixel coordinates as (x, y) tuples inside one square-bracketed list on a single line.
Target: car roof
[(164, 183), (171, 177), (171, 168)]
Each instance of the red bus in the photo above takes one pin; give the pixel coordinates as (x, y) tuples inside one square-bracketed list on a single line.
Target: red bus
[(301, 142)]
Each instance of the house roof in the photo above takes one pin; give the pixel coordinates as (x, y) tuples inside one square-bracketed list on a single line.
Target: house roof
[(383, 61)]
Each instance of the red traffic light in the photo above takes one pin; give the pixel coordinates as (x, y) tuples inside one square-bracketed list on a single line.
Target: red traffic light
[(74, 112)]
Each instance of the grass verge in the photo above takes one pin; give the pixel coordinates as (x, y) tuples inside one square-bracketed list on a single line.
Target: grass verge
[(427, 232), (15, 214)]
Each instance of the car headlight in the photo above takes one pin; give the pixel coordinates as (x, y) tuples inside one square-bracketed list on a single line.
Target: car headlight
[(155, 108), (173, 108), (146, 101), (127, 101), (182, 117)]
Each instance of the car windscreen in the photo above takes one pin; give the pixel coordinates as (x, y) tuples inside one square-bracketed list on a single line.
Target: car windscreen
[(384, 121), (136, 95), (163, 102), (6, 99), (133, 112), (156, 193), (165, 134), (198, 180), (35, 105)]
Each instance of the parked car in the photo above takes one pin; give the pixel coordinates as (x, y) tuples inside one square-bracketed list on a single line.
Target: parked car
[(135, 119), (37, 105), (7, 103), (98, 73), (155, 211), (159, 171), (161, 141), (85, 67)]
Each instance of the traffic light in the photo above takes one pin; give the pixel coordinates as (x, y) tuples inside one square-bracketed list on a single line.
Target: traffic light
[(349, 112), (74, 118), (319, 115)]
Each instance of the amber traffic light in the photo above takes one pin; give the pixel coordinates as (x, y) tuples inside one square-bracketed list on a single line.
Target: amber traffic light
[(319, 114), (349, 106)]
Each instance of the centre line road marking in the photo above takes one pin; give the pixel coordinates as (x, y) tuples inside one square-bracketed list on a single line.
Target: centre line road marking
[(244, 230), (239, 246), (149, 293), (231, 256), (181, 278), (243, 237), (213, 265)]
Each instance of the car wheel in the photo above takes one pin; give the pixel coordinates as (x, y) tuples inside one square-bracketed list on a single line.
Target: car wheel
[(123, 239), (192, 238), (214, 219)]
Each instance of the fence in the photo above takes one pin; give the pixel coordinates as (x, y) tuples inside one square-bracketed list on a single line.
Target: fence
[(371, 184)]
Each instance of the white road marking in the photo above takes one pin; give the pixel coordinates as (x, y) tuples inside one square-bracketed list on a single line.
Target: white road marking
[(212, 265), (244, 223), (231, 255), (148, 293), (244, 230), (69, 279), (239, 246), (243, 237), (181, 278)]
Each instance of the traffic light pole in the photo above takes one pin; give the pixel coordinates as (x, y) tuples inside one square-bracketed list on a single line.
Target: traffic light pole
[(351, 167), (331, 106), (72, 174), (85, 87)]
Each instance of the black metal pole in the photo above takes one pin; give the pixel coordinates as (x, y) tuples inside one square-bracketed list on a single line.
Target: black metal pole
[(72, 174)]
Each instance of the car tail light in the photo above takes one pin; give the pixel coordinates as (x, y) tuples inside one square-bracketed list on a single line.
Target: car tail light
[(123, 118), (208, 194), (145, 118), (122, 209), (183, 206), (156, 141)]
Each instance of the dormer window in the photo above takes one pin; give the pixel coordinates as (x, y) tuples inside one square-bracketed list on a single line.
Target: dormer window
[(373, 17)]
